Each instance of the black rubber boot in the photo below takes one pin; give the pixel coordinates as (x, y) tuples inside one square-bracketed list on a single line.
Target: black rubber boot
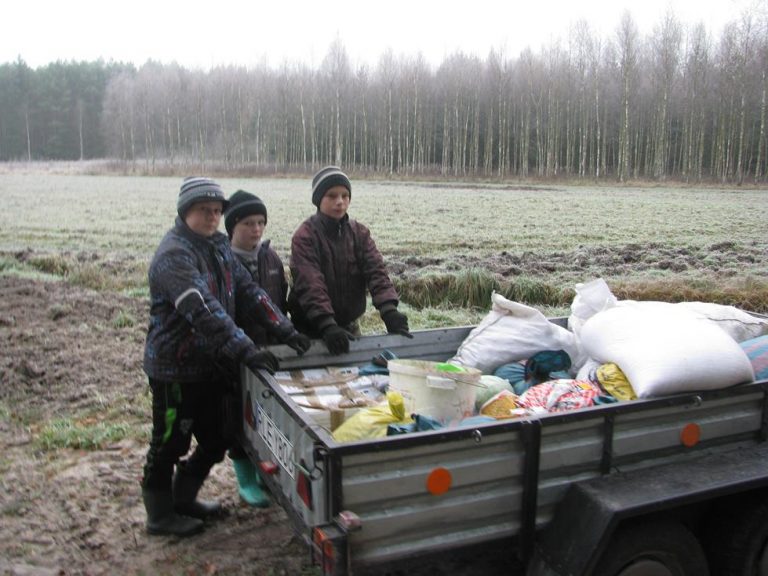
[(163, 519), (185, 489)]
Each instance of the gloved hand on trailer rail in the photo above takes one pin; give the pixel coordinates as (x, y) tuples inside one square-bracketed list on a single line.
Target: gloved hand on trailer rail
[(337, 339), (396, 323), (298, 342), (261, 359)]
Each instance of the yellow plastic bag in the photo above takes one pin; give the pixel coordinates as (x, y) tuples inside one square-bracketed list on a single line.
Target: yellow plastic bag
[(372, 422), (613, 381)]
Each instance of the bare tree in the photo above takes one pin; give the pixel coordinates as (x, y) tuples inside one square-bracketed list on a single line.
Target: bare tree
[(665, 45), (627, 44)]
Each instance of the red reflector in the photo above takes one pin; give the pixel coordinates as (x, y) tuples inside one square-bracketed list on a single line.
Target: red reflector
[(304, 489), (328, 550), (268, 467)]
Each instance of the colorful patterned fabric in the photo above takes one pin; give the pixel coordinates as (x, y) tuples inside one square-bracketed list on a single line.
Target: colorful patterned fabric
[(757, 352), (560, 395)]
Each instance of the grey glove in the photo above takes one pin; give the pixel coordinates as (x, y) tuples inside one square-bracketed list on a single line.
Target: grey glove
[(261, 359)]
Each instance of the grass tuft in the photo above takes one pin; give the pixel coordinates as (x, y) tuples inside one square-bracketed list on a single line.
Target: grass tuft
[(748, 294), (124, 319), (54, 264), (473, 289), (84, 434), (536, 292)]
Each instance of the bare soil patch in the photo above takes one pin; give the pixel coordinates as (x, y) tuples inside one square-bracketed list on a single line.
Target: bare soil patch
[(67, 354), (67, 511)]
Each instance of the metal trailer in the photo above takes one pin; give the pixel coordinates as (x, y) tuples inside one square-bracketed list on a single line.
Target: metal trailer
[(668, 486)]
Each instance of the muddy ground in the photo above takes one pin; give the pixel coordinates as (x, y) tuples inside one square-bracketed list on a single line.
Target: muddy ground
[(68, 354)]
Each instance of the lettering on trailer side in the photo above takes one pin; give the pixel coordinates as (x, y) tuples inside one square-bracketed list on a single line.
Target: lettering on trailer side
[(278, 444)]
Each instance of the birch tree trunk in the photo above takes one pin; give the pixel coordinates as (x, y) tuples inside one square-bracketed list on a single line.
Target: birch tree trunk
[(761, 135)]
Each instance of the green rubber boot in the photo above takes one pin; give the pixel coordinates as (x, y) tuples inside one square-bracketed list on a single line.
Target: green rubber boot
[(249, 484)]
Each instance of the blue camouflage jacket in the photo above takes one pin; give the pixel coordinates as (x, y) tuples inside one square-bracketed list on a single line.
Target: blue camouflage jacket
[(200, 293)]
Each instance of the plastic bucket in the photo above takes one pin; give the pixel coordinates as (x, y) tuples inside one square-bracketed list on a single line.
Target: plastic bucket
[(443, 392)]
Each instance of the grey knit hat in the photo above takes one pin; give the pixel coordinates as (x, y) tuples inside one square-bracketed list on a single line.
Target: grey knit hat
[(198, 189), (241, 205), (327, 178)]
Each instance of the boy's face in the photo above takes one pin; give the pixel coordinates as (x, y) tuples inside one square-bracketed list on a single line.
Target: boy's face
[(248, 231), (335, 203), (203, 217)]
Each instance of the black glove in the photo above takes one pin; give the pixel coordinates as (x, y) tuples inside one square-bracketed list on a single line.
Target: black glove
[(396, 323), (337, 339), (298, 342), (264, 359)]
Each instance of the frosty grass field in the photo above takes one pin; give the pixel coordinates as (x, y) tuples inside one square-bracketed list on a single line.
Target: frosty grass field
[(549, 235), (75, 407)]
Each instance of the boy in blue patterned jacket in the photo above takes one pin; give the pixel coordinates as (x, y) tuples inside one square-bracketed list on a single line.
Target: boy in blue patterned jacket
[(200, 293)]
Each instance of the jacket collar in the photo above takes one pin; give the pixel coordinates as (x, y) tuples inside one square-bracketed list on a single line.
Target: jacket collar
[(216, 240), (331, 225)]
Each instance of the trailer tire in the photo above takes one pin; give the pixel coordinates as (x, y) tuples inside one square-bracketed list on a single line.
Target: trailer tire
[(739, 541), (662, 548)]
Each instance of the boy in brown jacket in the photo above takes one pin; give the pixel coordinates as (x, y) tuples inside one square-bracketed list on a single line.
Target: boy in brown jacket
[(333, 262)]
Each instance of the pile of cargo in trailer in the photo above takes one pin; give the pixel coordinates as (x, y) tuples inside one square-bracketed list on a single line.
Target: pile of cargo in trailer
[(516, 363)]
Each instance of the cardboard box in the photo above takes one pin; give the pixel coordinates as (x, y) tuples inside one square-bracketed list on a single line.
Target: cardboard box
[(333, 394)]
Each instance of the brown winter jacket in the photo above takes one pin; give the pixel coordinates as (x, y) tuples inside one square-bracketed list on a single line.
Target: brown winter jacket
[(332, 263)]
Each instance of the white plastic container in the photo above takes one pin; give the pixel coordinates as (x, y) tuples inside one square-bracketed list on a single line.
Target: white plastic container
[(446, 396)]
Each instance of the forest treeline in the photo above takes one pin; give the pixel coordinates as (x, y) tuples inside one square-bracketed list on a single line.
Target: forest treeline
[(676, 103)]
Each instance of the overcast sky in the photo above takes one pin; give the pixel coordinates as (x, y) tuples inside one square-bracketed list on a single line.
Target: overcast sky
[(197, 34)]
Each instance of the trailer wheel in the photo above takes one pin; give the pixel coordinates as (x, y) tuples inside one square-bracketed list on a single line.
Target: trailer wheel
[(653, 549), (739, 541)]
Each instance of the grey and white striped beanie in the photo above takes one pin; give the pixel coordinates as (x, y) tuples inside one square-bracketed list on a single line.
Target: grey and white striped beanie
[(327, 178), (197, 189)]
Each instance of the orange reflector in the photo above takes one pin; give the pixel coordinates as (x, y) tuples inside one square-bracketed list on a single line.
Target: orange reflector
[(268, 467), (690, 435), (439, 481), (325, 547), (318, 536)]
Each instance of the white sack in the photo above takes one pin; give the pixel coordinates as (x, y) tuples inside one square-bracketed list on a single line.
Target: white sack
[(738, 324), (511, 332), (595, 296), (591, 297), (665, 350)]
